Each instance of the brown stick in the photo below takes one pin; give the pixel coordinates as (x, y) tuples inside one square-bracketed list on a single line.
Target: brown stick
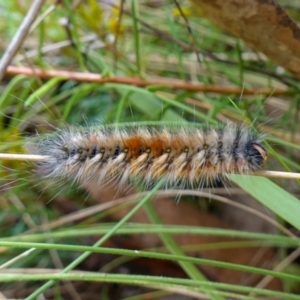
[(171, 83)]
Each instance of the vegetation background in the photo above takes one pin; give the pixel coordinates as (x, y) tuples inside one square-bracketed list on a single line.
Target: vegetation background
[(147, 63)]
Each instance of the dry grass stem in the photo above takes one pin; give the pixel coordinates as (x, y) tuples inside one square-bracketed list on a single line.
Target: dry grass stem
[(23, 157), (33, 158)]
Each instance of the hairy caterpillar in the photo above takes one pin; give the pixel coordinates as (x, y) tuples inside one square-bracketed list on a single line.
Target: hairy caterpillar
[(183, 155)]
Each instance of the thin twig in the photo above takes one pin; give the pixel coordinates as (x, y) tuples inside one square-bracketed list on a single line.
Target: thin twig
[(189, 28), (20, 35), (31, 157), (281, 266), (90, 211), (170, 83)]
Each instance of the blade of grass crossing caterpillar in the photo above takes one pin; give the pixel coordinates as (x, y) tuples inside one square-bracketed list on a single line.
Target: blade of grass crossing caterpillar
[(272, 196)]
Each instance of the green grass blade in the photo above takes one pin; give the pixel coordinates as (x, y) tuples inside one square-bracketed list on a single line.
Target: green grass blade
[(272, 196), (190, 269), (43, 90), (108, 234)]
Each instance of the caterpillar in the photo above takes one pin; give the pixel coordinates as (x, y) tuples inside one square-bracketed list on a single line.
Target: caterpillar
[(182, 155)]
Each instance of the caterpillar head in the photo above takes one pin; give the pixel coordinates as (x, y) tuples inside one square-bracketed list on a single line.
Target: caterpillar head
[(256, 154)]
